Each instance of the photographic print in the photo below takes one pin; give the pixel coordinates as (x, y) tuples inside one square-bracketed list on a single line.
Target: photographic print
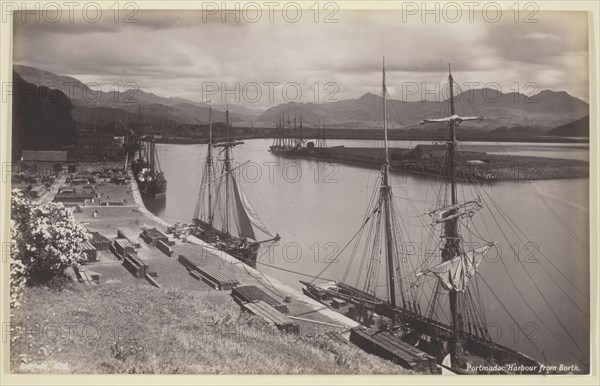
[(298, 188)]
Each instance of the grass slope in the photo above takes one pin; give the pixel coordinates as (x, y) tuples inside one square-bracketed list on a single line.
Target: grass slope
[(135, 328)]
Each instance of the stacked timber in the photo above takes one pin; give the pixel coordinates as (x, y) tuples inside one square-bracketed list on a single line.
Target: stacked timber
[(251, 294), (135, 265), (152, 236), (164, 248), (212, 276), (121, 247), (390, 347), (271, 316)]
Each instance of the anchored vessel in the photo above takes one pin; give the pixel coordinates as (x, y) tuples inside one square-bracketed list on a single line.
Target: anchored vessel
[(224, 217), (146, 169), (459, 341), (291, 142)]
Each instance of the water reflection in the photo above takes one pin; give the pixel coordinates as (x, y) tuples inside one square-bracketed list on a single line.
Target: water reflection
[(317, 207)]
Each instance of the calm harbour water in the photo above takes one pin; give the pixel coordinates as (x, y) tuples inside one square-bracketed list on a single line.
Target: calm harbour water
[(318, 207)]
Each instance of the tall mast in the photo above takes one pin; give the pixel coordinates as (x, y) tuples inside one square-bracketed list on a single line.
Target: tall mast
[(288, 131), (151, 155), (209, 164), (452, 247), (227, 174), (301, 128), (386, 196)]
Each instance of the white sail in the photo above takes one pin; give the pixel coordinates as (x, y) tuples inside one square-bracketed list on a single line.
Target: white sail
[(250, 211), (454, 274)]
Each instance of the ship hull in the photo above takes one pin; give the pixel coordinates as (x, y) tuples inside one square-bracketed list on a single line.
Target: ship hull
[(300, 152), (245, 252), (152, 189), (427, 334)]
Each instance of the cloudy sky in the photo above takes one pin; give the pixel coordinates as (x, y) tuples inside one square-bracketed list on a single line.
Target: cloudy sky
[(189, 54)]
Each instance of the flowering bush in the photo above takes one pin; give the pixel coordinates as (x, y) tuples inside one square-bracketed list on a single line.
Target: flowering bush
[(17, 271), (47, 238)]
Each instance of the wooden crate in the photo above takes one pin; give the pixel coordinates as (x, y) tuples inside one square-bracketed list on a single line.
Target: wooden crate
[(387, 346), (271, 316), (251, 293)]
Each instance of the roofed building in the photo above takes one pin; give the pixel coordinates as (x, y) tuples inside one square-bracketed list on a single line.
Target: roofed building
[(43, 161)]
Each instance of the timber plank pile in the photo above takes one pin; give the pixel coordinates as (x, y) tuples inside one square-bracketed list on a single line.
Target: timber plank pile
[(164, 248), (122, 235), (152, 236), (392, 348), (122, 247), (136, 266), (336, 337), (271, 316), (85, 277), (251, 293), (212, 276), (152, 280)]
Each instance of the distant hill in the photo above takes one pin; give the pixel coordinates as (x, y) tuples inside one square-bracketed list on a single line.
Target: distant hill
[(578, 128), (544, 111), (41, 118), (94, 107)]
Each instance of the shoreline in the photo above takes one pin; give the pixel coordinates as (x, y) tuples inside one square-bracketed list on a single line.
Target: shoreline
[(289, 291), (428, 161), (377, 135)]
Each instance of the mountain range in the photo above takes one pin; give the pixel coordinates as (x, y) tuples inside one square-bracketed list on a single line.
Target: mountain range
[(545, 110)]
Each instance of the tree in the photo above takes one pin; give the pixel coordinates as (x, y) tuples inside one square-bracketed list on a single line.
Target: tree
[(17, 271), (47, 238), (42, 118)]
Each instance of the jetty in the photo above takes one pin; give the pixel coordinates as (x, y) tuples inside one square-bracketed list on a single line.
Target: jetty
[(428, 161)]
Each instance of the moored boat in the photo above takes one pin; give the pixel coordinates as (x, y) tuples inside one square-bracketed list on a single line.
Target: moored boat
[(460, 341), (224, 216)]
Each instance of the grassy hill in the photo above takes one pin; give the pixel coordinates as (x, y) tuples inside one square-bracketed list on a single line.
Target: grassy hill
[(135, 328), (578, 128)]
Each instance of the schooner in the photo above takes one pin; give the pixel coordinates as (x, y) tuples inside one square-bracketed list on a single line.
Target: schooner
[(464, 342), (224, 217)]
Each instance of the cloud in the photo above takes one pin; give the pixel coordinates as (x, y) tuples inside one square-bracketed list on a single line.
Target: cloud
[(177, 53)]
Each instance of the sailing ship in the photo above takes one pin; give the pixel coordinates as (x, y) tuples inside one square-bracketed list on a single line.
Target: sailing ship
[(461, 341), (293, 142), (224, 217), (146, 168)]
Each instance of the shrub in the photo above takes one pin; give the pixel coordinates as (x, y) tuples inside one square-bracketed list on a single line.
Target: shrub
[(47, 238)]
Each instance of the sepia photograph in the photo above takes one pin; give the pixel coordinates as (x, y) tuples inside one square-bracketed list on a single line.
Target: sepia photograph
[(299, 188)]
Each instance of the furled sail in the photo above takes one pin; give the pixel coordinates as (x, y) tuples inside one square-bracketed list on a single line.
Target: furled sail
[(455, 273), (247, 214), (453, 118), (454, 211)]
